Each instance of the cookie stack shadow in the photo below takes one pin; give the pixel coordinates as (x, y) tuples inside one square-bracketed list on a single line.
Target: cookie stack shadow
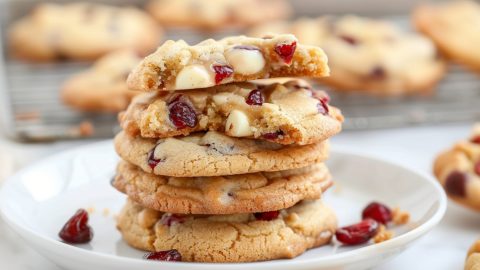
[(229, 173)]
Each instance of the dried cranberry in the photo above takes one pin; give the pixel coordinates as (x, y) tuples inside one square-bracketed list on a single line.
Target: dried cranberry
[(170, 219), (455, 184), (322, 107), (247, 47), (477, 168), (286, 51), (267, 216), (476, 139), (77, 230), (168, 255), (181, 113), (222, 72), (378, 212), (358, 233), (378, 73), (152, 161), (273, 135), (255, 97), (349, 39)]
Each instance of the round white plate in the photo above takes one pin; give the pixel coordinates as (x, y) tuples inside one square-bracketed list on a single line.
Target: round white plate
[(38, 200)]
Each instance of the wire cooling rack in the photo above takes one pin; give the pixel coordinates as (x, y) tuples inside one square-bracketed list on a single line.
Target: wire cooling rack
[(32, 110)]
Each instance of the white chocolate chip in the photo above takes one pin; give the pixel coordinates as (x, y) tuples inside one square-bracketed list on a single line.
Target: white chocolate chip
[(222, 98), (195, 76), (237, 124), (245, 61)]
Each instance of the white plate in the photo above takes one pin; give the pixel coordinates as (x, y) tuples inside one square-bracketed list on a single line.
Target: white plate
[(39, 199)]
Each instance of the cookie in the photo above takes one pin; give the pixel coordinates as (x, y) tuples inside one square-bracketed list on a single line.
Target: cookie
[(177, 65), (229, 238), (368, 55), (458, 170), (214, 154), (244, 193), (473, 257), (83, 31), (286, 113), (217, 14), (453, 26), (102, 88)]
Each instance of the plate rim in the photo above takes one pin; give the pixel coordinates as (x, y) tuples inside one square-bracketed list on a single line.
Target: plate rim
[(61, 248)]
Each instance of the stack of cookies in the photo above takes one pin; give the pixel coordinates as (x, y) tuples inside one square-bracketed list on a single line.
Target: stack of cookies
[(219, 168)]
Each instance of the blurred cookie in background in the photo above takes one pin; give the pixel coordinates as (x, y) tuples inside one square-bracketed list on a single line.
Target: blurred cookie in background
[(81, 31), (368, 55), (458, 170), (473, 257), (217, 14), (103, 87), (455, 28)]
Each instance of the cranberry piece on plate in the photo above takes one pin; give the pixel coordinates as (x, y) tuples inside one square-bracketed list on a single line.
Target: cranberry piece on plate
[(77, 230), (377, 211), (168, 255), (358, 233)]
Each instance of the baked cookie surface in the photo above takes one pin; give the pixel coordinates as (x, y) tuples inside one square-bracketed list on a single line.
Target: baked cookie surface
[(453, 26), (367, 55), (244, 193), (286, 113), (82, 31), (217, 14), (473, 257), (229, 238), (103, 87), (177, 65), (214, 154), (458, 170)]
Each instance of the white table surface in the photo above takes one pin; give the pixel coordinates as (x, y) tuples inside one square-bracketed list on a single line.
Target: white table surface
[(444, 248)]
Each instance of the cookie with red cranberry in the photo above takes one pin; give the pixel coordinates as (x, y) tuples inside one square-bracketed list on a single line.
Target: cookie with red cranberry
[(458, 170), (214, 154), (473, 257), (82, 31), (177, 65), (229, 238), (286, 113), (453, 26), (244, 193), (217, 14), (368, 55), (102, 88)]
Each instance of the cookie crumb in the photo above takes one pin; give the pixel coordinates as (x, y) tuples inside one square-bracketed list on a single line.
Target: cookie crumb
[(383, 235), (106, 212), (91, 210), (400, 217)]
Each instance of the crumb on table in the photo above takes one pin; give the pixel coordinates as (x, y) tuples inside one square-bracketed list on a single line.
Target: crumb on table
[(400, 217), (383, 235)]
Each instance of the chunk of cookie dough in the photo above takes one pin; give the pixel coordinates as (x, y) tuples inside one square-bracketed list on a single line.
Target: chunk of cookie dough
[(81, 31), (286, 113), (214, 154), (177, 65), (229, 238), (453, 26), (243, 193), (368, 55), (103, 87), (458, 170)]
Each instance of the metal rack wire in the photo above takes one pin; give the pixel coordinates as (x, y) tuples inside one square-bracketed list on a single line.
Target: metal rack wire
[(32, 110)]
